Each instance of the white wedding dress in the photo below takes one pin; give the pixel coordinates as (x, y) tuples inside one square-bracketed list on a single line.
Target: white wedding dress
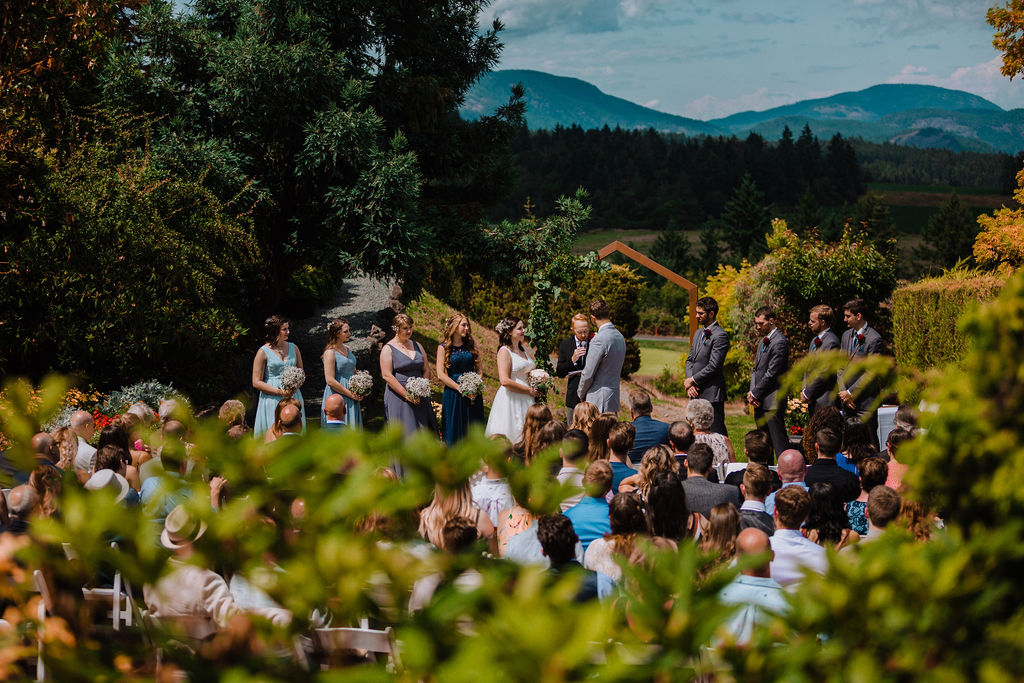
[(508, 412)]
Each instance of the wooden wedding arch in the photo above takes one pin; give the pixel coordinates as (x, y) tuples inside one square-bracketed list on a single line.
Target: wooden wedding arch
[(661, 270)]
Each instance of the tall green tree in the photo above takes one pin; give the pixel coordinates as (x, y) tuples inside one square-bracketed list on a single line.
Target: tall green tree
[(746, 220), (333, 120), (872, 216), (672, 250), (951, 233)]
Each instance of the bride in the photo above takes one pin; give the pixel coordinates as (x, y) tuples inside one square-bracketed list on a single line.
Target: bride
[(514, 396)]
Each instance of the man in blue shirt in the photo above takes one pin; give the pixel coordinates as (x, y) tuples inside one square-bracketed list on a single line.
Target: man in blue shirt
[(758, 596), (589, 517), (649, 432), (620, 440)]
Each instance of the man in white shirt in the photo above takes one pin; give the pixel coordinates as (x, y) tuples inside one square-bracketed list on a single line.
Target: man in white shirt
[(794, 554), (84, 427)]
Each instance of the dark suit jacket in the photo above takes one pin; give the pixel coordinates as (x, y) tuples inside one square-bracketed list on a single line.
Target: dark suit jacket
[(770, 363), (565, 366), (821, 392), (649, 433), (705, 363), (757, 520), (702, 495), (736, 478), (864, 394), (847, 484)]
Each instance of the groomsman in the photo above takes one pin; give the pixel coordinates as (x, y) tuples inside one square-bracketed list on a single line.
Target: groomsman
[(821, 392), (572, 357), (857, 395), (771, 361), (705, 364)]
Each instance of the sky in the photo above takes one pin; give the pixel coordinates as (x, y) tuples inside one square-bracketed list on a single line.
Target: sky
[(710, 58)]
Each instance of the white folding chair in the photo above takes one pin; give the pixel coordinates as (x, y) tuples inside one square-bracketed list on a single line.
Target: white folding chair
[(374, 641), (45, 607)]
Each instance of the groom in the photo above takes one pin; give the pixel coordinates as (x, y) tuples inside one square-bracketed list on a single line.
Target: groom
[(599, 383)]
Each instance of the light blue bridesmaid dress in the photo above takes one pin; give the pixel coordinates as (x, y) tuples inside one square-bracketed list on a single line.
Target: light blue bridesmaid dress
[(344, 368), (268, 402)]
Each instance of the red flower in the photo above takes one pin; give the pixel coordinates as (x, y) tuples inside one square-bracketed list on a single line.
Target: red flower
[(817, 342), (796, 430), (860, 339)]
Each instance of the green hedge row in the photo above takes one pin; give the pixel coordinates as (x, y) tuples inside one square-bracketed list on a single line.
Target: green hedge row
[(925, 316)]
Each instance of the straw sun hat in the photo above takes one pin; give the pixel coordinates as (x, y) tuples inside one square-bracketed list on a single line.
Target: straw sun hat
[(181, 528)]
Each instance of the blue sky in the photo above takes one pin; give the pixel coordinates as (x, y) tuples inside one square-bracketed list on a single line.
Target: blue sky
[(706, 59)]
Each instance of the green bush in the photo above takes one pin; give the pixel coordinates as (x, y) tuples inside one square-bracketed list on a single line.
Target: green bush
[(923, 315), (308, 287), (670, 384)]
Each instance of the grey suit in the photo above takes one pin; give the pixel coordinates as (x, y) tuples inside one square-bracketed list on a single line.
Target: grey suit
[(705, 365), (599, 383), (865, 393), (702, 495), (771, 362), (821, 392)]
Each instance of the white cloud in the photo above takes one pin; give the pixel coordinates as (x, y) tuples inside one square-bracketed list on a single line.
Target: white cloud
[(652, 104), (568, 16), (711, 107), (981, 79)]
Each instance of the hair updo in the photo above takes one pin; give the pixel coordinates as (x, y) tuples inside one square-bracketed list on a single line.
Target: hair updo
[(272, 327), (399, 320), (504, 329)]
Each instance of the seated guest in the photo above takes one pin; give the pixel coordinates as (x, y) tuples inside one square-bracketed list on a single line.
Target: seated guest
[(583, 416), (755, 487), (109, 480), (792, 468), (191, 591), (277, 429), (22, 503), (680, 438), (827, 524), (110, 458), (574, 451), (873, 472), (649, 432), (492, 493), (289, 421), (589, 517), (657, 459), (620, 441), (447, 506), (232, 414), (600, 428), (559, 544), (759, 595), (525, 548), (883, 507), (116, 434), (824, 467), (857, 445), (894, 442), (830, 417), (701, 415), (665, 505), (701, 494), (161, 494), (915, 517), (794, 554), (459, 536), (627, 520), (723, 526), (334, 412), (84, 426), (48, 484), (757, 446), (906, 419)]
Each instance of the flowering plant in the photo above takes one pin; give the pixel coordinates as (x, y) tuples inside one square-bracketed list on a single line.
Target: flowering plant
[(360, 383), (796, 415), (292, 378), (417, 388), (437, 410), (470, 384), (541, 382)]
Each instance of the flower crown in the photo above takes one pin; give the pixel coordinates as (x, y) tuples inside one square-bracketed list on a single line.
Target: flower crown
[(505, 326)]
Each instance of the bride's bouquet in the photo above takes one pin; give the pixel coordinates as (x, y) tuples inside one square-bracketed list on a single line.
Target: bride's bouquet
[(541, 382), (470, 385), (292, 378), (360, 383), (418, 388)]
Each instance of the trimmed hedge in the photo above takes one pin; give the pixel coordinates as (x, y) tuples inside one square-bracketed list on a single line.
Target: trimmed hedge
[(925, 316)]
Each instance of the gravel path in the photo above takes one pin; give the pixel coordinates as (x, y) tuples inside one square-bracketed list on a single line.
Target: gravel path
[(358, 301)]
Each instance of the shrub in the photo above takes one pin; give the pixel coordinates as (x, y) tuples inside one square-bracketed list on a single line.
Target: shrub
[(150, 392), (924, 332), (1001, 240)]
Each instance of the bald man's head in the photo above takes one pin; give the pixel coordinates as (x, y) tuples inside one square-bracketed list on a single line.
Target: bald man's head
[(83, 424), (792, 466), (291, 418), (22, 501), (752, 542), (44, 445), (334, 407)]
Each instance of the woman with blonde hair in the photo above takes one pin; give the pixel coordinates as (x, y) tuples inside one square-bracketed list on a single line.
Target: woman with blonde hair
[(339, 366), (456, 356), (599, 431), (447, 506), (660, 458), (583, 416), (402, 359), (720, 536), (537, 416)]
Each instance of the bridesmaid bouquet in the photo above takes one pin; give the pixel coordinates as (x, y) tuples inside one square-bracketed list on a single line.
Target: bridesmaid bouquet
[(418, 388), (360, 383), (541, 382), (292, 378), (470, 385)]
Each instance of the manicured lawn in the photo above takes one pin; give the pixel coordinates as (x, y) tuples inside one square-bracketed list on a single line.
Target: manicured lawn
[(657, 355), (738, 426)]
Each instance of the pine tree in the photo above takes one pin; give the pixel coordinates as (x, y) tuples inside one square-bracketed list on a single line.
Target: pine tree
[(746, 220), (672, 250), (951, 233), (808, 214), (873, 218)]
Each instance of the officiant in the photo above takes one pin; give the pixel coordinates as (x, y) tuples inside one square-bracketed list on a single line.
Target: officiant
[(572, 357)]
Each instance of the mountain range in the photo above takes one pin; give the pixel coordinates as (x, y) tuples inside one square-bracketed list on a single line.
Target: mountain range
[(905, 114)]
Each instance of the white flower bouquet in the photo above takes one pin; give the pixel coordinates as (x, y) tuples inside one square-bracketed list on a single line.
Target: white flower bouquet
[(470, 385), (292, 378), (417, 388), (360, 383), (541, 382)]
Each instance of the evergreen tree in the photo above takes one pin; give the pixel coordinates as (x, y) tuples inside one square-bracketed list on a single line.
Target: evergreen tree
[(951, 233), (807, 215), (843, 178), (672, 250), (746, 220), (872, 216), (710, 250)]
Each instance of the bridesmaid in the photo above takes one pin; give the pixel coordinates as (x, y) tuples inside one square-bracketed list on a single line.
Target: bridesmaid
[(457, 354), (401, 359), (271, 360), (339, 366)]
